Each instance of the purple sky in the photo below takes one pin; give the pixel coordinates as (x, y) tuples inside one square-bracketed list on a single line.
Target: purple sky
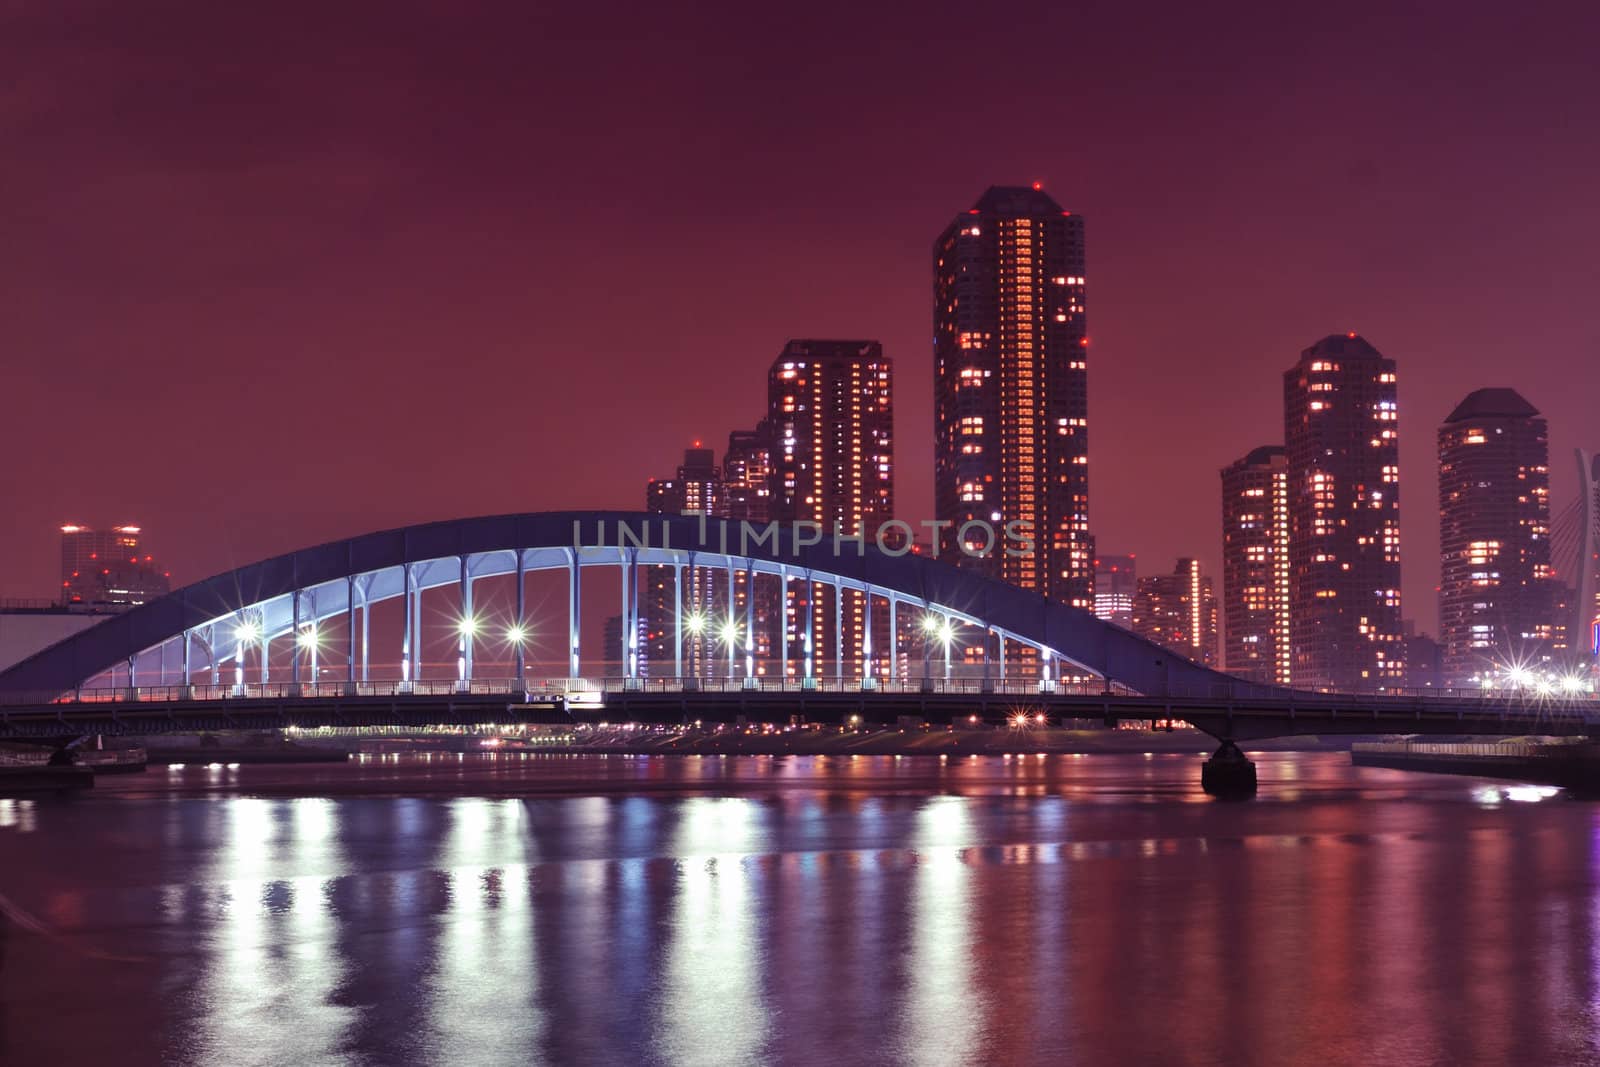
[(274, 277)]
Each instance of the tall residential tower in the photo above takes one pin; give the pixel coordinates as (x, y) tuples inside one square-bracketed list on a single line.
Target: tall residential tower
[(1011, 389), (1497, 596), (1255, 566), (830, 416), (1341, 432)]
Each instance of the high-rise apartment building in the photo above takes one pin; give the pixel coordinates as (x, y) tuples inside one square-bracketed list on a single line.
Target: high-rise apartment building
[(1179, 612), (1255, 567), (1341, 433), (830, 413), (747, 474), (1115, 582), (1011, 402), (105, 567), (1497, 594)]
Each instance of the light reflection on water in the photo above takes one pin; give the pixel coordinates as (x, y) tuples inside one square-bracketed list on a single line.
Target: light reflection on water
[(843, 911)]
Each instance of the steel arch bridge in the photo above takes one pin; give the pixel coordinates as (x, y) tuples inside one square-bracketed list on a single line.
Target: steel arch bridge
[(196, 634), (182, 657)]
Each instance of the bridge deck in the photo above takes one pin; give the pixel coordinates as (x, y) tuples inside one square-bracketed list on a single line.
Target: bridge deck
[(186, 709)]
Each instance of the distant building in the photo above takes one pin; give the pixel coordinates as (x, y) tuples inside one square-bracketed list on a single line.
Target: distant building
[(1011, 410), (104, 567), (696, 488), (1178, 611), (830, 410), (1497, 593), (747, 474), (615, 656), (1424, 662), (1341, 433), (1255, 567), (1115, 582)]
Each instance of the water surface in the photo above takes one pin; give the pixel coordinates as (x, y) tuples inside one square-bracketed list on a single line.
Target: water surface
[(679, 910)]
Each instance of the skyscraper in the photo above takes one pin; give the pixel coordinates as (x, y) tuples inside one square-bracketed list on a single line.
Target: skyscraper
[(1115, 582), (104, 567), (1255, 566), (831, 415), (1178, 611), (1341, 432), (1497, 596), (1011, 389)]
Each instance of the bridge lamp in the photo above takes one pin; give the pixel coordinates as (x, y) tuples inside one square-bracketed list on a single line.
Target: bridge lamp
[(730, 632), (1518, 676), (307, 638), (695, 623), (516, 634), (1544, 687), (930, 624), (246, 632), (467, 627), (1572, 684), (1019, 720), (947, 632)]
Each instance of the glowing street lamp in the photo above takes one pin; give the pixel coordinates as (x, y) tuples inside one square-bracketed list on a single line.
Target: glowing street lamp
[(516, 634), (466, 629), (728, 634), (243, 634)]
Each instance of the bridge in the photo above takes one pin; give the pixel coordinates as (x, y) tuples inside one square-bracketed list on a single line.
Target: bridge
[(760, 622)]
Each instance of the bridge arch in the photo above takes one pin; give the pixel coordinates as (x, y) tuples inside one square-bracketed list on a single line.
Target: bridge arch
[(279, 596)]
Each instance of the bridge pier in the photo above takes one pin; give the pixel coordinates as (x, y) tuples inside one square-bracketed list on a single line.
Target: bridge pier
[(1228, 774)]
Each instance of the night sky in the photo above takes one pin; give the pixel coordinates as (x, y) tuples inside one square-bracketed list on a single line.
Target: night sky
[(277, 276)]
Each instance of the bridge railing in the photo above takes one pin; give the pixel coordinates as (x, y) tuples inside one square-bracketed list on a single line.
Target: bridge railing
[(595, 689)]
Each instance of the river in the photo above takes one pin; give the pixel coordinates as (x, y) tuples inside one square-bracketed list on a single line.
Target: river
[(746, 910)]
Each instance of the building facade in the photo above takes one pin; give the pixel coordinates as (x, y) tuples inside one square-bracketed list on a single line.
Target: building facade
[(830, 413), (1179, 612), (1341, 434), (1255, 567), (747, 474), (1011, 415), (105, 568), (1497, 594), (696, 488), (1115, 583)]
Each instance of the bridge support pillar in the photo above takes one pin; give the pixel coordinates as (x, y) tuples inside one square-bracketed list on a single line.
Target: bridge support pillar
[(1228, 774)]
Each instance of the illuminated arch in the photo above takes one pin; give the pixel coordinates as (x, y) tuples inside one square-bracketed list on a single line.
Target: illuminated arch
[(341, 577)]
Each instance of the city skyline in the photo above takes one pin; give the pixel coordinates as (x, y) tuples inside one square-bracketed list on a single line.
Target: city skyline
[(420, 284)]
